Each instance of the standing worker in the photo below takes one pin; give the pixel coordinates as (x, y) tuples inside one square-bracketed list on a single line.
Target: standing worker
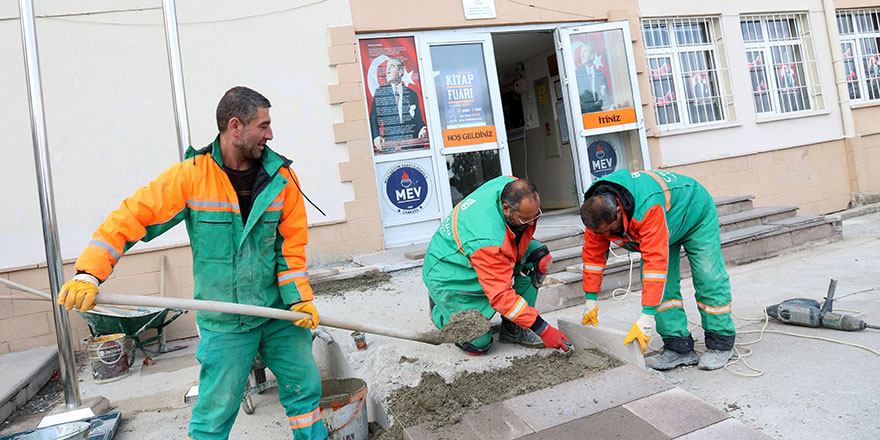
[(483, 257), (246, 220), (657, 213)]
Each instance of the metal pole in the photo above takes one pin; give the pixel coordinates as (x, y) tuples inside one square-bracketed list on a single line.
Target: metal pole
[(178, 95), (47, 202)]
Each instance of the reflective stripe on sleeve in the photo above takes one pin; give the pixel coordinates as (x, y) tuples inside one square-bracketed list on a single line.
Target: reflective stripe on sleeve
[(107, 247), (288, 277), (513, 313)]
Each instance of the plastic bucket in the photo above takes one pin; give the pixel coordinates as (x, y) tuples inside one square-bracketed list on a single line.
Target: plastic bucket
[(109, 357), (66, 431), (343, 409)]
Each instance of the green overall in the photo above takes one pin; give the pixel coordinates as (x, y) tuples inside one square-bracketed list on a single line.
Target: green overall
[(691, 222), (474, 262)]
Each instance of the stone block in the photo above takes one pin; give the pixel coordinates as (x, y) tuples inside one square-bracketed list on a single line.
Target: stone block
[(584, 397), (365, 187), (340, 35), (615, 423), (359, 149), (349, 131), (4, 348), (356, 169), (36, 341), (6, 410), (342, 54), (5, 306), (145, 283), (728, 428), (490, 422), (354, 111), (28, 306), (690, 413), (349, 73), (21, 327), (33, 278), (345, 92), (607, 340), (362, 208)]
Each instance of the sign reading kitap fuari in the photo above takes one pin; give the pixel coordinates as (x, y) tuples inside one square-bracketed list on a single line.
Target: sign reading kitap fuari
[(466, 119)]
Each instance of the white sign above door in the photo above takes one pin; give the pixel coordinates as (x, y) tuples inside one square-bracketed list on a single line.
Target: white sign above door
[(478, 9)]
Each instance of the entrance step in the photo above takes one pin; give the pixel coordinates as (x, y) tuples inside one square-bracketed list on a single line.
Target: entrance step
[(756, 216), (733, 204)]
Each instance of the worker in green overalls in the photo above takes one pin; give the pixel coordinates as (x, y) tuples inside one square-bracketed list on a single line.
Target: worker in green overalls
[(483, 257), (657, 213)]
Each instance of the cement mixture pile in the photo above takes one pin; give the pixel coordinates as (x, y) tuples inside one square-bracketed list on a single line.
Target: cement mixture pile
[(439, 403)]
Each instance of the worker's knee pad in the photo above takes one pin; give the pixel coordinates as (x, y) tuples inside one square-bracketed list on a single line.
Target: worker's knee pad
[(478, 346)]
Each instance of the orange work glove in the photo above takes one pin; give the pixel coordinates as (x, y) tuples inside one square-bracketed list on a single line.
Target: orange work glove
[(306, 307), (641, 331), (79, 292)]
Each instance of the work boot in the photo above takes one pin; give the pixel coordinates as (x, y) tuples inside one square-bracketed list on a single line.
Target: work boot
[(514, 334), (669, 359), (472, 349), (714, 359)]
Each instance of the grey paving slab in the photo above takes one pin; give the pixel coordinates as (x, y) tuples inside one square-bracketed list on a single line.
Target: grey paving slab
[(606, 339), (726, 429), (568, 401), (21, 367), (491, 422), (616, 423), (676, 412)]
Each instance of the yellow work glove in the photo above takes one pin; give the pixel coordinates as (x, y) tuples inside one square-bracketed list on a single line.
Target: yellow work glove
[(306, 307), (79, 292), (591, 313), (641, 331)]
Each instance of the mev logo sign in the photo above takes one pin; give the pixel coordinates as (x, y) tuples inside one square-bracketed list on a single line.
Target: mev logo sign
[(602, 157), (406, 188)]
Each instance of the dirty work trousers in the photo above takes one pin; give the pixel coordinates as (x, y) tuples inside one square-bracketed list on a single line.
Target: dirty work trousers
[(449, 302), (226, 360), (702, 246)]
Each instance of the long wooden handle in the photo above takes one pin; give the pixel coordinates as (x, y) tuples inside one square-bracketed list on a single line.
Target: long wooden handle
[(432, 337)]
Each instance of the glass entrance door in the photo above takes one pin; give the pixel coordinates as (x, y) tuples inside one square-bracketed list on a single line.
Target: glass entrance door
[(463, 102), (601, 96)]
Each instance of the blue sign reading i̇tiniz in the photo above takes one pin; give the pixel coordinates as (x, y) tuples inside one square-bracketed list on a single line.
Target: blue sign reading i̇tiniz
[(602, 157), (406, 187)]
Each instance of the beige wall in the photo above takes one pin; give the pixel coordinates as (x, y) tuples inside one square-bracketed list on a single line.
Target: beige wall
[(815, 177)]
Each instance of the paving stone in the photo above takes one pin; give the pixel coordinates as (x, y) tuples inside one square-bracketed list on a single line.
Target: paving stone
[(491, 422), (565, 402), (605, 339), (676, 412), (730, 428), (615, 423)]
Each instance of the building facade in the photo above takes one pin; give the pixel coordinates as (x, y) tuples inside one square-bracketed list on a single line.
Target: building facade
[(393, 112)]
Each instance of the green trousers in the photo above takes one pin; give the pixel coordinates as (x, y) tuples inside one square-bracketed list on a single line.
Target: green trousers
[(226, 360), (449, 302), (711, 283)]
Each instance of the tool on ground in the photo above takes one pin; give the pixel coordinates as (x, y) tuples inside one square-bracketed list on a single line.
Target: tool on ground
[(806, 312)]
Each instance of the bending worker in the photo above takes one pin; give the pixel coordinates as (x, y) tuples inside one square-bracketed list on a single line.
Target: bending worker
[(657, 213), (483, 257), (246, 220)]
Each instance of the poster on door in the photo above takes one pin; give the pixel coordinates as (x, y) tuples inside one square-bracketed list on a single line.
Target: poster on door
[(464, 98), (604, 154), (407, 190), (602, 77), (394, 94)]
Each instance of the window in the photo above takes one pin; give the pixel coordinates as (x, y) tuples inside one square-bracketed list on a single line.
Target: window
[(782, 64), (859, 39), (687, 71)]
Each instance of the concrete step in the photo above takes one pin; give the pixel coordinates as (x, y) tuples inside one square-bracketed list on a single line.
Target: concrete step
[(733, 204), (564, 289), (756, 216)]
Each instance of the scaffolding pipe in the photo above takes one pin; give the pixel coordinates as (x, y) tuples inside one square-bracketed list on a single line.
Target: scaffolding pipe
[(178, 95), (47, 202)]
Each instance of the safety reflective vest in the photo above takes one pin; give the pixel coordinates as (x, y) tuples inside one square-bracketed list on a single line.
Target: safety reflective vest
[(665, 206), (260, 263)]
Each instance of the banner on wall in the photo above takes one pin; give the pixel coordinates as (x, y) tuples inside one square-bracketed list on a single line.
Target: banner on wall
[(394, 94), (406, 189)]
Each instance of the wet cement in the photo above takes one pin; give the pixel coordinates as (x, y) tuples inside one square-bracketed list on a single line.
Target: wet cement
[(465, 326), (364, 283), (438, 403)]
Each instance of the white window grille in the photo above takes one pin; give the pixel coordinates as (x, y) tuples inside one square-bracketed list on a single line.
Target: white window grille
[(782, 63), (859, 40), (688, 71)]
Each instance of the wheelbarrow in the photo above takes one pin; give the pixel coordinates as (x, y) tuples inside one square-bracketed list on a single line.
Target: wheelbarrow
[(133, 322)]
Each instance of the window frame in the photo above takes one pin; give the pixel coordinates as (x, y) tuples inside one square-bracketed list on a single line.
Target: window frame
[(853, 37), (768, 46), (673, 50)]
